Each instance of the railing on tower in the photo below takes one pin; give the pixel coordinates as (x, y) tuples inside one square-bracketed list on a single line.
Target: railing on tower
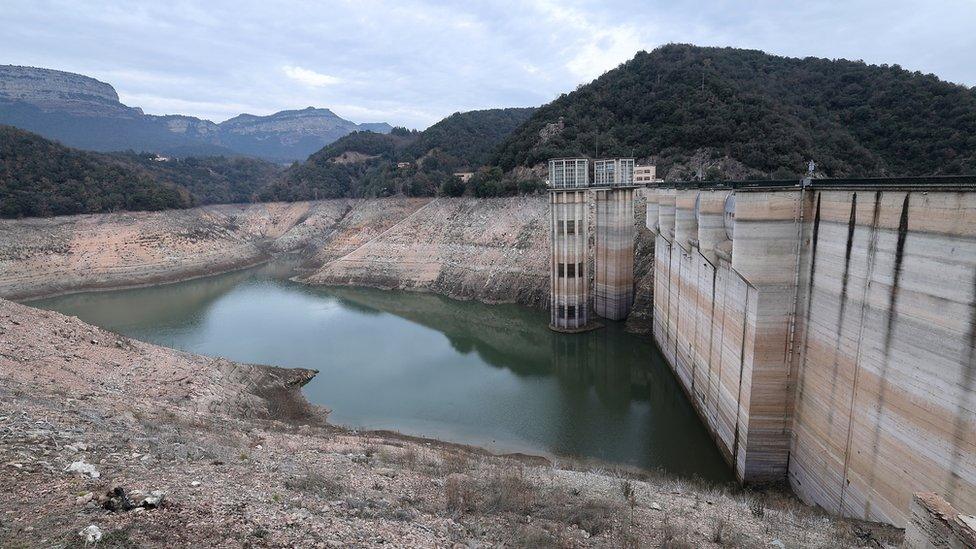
[(569, 173), (614, 172)]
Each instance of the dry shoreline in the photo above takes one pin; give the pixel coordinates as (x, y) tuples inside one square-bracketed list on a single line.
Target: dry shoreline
[(245, 460), (374, 243)]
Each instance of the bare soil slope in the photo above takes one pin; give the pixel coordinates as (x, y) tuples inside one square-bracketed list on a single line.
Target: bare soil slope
[(491, 249)]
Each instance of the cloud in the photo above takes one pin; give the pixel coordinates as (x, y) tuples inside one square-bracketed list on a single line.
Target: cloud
[(413, 62), (310, 77)]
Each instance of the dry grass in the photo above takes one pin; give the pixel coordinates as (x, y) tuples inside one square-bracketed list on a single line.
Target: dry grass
[(533, 536), (317, 484), (674, 535), (460, 494), (725, 533), (508, 491)]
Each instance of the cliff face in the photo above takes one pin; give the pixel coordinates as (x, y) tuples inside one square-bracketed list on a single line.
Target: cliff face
[(69, 92)]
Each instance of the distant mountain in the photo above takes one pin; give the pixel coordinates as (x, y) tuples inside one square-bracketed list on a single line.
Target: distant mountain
[(82, 112), (39, 177), (288, 135), (400, 162), (734, 113)]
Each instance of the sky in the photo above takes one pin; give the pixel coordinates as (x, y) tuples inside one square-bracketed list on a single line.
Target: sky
[(413, 62)]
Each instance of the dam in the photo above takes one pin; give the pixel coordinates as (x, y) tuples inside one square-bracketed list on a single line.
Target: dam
[(825, 332), (823, 329)]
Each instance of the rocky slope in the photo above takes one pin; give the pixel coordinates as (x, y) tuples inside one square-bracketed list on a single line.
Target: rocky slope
[(493, 250), (85, 113), (85, 252), (489, 250), (110, 440)]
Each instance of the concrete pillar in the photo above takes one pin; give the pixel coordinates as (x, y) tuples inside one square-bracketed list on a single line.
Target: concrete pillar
[(569, 294), (665, 212), (652, 210), (685, 218), (614, 262), (712, 233)]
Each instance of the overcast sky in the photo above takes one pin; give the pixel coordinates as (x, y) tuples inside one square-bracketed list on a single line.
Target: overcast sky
[(413, 62)]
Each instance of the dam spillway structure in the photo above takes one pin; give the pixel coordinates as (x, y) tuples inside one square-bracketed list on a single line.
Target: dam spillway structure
[(825, 332), (613, 280), (569, 296)]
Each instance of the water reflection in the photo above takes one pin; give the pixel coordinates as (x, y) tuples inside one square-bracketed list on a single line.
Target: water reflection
[(493, 375)]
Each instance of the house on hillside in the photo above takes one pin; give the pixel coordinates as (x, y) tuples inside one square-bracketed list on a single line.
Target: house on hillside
[(645, 174), (464, 176)]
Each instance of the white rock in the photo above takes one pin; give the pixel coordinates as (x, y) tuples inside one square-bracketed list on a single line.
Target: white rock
[(655, 506), (91, 534), (82, 468), (195, 483), (154, 499), (777, 543)]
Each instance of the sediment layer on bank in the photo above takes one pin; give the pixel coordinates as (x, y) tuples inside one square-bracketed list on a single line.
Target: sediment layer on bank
[(493, 250)]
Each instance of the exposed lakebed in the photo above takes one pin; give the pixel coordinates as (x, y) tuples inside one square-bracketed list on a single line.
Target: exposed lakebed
[(489, 375)]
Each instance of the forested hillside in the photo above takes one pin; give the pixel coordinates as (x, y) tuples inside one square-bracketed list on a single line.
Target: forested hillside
[(209, 179), (470, 138), (365, 164), (39, 177), (735, 113)]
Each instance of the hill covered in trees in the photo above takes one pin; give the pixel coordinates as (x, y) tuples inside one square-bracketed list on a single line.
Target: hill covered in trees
[(734, 113), (39, 177), (365, 164)]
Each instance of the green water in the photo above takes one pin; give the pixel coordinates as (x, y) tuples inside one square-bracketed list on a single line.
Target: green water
[(491, 375)]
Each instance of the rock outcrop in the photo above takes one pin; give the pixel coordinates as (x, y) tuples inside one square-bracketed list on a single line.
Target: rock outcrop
[(60, 90)]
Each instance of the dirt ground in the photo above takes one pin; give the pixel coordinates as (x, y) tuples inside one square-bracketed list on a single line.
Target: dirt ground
[(240, 459)]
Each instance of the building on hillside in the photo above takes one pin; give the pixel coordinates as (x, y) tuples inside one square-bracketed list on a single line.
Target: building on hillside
[(645, 174), (464, 176), (402, 165)]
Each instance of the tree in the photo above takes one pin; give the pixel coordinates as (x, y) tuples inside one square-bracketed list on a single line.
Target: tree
[(452, 186)]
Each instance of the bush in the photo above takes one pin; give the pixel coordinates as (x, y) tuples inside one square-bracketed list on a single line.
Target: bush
[(531, 186), (452, 186)]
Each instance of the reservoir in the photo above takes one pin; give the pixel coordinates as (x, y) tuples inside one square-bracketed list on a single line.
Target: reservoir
[(421, 364)]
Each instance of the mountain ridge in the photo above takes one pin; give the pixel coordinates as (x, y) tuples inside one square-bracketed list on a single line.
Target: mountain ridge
[(85, 113)]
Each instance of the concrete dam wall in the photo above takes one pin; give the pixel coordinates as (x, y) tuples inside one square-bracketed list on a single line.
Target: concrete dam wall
[(827, 334)]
